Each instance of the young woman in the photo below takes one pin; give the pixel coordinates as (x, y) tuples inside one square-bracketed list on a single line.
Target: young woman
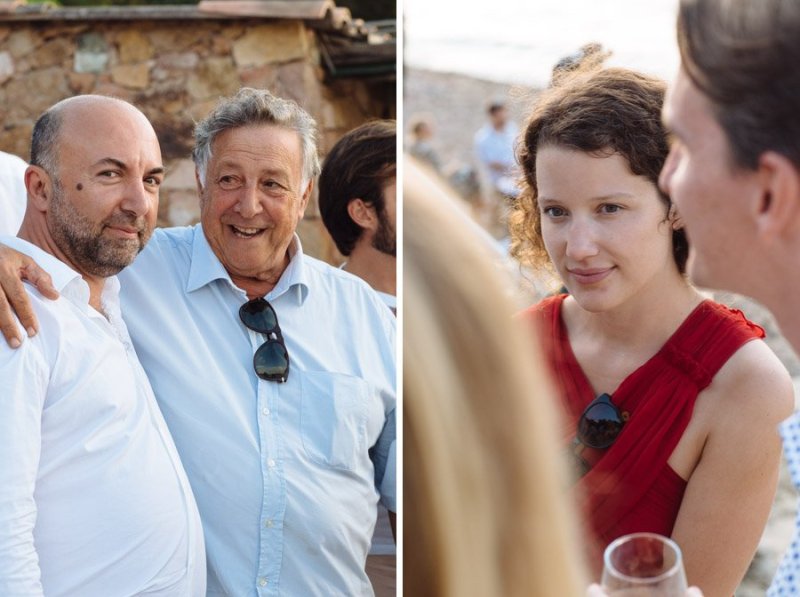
[(673, 400)]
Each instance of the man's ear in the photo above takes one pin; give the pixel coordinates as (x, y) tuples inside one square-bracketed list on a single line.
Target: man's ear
[(305, 199), (779, 205), (39, 186), (674, 217), (198, 182), (363, 214)]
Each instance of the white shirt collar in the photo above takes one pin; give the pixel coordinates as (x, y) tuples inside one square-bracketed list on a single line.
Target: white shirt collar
[(69, 283)]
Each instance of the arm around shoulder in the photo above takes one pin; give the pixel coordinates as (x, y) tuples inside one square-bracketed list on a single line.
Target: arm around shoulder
[(14, 268)]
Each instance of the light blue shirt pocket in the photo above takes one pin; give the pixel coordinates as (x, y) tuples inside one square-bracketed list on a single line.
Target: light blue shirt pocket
[(333, 418)]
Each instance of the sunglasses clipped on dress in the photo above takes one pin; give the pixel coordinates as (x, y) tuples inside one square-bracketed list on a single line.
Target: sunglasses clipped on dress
[(598, 428)]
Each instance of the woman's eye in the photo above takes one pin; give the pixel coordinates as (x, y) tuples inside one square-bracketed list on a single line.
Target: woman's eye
[(610, 208), (554, 212)]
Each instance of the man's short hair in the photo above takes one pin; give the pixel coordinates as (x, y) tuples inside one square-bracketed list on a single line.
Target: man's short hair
[(256, 107), (495, 106), (358, 167), (743, 56)]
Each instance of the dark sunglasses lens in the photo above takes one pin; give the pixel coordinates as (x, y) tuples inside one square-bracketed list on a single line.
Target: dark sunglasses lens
[(599, 426), (271, 361), (259, 316)]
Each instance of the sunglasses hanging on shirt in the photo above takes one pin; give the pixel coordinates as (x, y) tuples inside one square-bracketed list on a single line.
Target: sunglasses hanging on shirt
[(271, 360)]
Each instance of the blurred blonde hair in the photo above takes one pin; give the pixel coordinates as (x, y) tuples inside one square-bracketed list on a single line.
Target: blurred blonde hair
[(485, 499)]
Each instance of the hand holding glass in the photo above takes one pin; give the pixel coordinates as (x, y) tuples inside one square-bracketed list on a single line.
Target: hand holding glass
[(643, 564)]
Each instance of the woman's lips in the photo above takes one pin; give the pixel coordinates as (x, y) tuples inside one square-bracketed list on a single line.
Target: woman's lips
[(590, 276)]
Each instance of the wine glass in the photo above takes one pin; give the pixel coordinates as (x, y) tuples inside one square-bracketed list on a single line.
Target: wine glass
[(643, 564)]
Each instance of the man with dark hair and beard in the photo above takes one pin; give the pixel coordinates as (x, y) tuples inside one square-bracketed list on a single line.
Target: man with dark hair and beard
[(357, 198), (94, 500)]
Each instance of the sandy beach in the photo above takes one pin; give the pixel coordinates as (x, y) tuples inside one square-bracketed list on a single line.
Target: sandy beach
[(456, 106)]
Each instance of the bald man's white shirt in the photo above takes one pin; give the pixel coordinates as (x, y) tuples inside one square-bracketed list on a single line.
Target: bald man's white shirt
[(94, 501), (13, 196)]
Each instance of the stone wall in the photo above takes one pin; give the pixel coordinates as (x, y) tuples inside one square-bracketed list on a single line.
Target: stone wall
[(175, 71)]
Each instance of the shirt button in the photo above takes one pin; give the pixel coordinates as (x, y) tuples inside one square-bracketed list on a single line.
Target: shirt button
[(265, 411), (270, 463), (262, 582), (268, 523)]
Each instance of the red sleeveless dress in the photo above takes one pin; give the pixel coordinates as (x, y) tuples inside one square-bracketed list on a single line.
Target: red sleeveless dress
[(630, 487)]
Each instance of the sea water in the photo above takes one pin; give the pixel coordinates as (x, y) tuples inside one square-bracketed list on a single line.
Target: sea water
[(519, 41)]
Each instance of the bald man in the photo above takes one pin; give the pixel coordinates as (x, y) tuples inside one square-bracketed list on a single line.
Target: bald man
[(93, 498)]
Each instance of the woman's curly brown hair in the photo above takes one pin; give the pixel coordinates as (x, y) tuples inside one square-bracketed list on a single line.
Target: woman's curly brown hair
[(600, 112)]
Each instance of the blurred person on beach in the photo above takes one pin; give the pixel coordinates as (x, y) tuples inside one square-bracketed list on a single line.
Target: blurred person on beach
[(274, 371), (421, 147), (672, 400), (733, 112), (94, 499), (357, 201), (494, 151), (483, 476), (494, 148), (13, 195)]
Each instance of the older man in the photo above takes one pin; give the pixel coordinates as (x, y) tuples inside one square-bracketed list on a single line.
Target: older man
[(275, 372), (734, 168), (93, 498)]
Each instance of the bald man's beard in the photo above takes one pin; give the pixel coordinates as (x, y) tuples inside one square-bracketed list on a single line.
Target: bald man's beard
[(83, 241)]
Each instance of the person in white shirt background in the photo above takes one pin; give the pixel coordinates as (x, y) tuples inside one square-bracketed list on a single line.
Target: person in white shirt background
[(494, 146), (12, 192), (357, 201), (93, 498), (274, 371)]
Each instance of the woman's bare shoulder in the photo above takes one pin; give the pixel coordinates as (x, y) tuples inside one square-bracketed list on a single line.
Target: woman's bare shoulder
[(754, 381)]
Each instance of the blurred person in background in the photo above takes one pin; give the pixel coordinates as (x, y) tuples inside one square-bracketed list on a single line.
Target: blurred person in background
[(420, 146), (672, 400), (734, 169), (483, 477)]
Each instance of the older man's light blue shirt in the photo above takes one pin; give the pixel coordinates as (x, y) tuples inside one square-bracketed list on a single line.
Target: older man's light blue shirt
[(287, 476)]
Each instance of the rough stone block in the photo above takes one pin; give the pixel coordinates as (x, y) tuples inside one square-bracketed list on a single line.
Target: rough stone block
[(178, 60), (52, 53), (36, 91), (270, 44), (213, 78), (133, 76), (133, 47), (21, 43), (92, 55), (80, 83), (260, 77)]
